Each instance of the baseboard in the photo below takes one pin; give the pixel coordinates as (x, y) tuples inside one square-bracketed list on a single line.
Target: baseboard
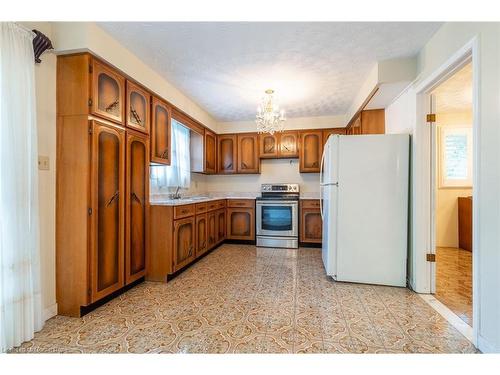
[(50, 312), (485, 346)]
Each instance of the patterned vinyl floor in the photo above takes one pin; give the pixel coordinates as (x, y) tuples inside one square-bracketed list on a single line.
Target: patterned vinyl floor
[(243, 299)]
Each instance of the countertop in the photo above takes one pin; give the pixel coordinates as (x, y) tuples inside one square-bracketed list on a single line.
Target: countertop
[(163, 200)]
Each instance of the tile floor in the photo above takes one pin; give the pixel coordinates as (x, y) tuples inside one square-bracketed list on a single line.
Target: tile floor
[(454, 281), (243, 299)]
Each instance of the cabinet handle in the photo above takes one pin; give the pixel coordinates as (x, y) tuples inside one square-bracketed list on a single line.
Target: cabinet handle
[(115, 196), (135, 115), (229, 166), (164, 154), (203, 244), (134, 196), (315, 164), (111, 106), (269, 149), (190, 250), (244, 165)]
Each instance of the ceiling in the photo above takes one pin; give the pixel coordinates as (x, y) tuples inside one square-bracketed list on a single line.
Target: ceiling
[(316, 69), (455, 94)]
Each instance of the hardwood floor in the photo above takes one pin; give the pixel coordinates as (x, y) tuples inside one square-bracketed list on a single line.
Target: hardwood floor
[(454, 281)]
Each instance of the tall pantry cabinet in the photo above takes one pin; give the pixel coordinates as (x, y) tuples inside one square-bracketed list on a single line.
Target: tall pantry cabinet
[(102, 190)]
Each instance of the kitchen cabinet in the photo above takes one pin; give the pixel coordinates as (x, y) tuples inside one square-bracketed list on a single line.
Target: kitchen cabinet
[(310, 150), (248, 153), (212, 229), (240, 219), (288, 144), (220, 219), (368, 122), (160, 132), (108, 92), (328, 132), (138, 106), (184, 242), (311, 224), (137, 206), (268, 145), (227, 153), (210, 152), (201, 234)]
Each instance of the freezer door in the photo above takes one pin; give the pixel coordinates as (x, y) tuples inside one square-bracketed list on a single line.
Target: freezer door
[(373, 209)]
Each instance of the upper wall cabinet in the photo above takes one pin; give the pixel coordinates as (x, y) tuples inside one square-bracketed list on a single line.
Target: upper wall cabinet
[(160, 132), (268, 146), (248, 153), (108, 89), (368, 122), (137, 108), (288, 144), (210, 152), (227, 151), (310, 150), (328, 132)]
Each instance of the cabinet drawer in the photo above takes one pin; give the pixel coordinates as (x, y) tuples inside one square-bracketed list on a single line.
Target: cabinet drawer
[(212, 205), (310, 203), (250, 203), (221, 204), (201, 208), (183, 211)]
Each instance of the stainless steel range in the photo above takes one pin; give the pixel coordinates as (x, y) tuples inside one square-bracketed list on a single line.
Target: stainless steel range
[(278, 216)]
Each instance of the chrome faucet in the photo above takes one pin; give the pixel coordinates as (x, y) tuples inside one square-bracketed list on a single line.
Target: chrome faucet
[(177, 195)]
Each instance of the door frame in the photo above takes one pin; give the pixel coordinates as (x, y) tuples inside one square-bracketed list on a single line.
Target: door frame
[(424, 194)]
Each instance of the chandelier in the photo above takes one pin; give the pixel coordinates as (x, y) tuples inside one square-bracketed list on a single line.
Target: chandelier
[(269, 118)]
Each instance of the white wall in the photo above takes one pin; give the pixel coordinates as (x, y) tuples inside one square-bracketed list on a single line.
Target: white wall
[(449, 39)]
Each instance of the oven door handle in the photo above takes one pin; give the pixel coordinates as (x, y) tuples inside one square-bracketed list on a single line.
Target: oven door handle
[(274, 203)]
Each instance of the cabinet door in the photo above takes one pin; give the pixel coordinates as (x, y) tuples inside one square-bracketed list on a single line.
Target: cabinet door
[(138, 117), (328, 132), (356, 126), (160, 132), (221, 225), (107, 92), (137, 206), (310, 149), (184, 242), (240, 224), (248, 153), (288, 145), (212, 229), (201, 234), (311, 225), (210, 152), (107, 215), (227, 153), (268, 145), (373, 121)]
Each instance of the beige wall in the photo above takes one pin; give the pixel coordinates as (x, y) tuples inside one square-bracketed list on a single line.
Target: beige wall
[(447, 198)]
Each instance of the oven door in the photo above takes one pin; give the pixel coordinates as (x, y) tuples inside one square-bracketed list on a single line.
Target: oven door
[(277, 218)]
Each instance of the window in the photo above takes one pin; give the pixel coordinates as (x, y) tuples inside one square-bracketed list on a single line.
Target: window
[(178, 173), (455, 144)]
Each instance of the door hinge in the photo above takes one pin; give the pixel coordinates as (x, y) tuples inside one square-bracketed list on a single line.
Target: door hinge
[(431, 257), (90, 211), (431, 117), (90, 129), (90, 102), (91, 70)]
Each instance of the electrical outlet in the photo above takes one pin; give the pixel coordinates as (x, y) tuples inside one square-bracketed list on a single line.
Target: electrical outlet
[(43, 163)]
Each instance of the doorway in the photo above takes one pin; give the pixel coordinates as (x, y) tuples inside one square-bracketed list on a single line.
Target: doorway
[(452, 191)]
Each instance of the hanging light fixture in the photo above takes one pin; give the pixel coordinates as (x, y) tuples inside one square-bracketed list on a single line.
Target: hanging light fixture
[(269, 118)]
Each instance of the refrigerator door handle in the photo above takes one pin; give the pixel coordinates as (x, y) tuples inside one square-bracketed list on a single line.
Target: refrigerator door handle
[(321, 184)]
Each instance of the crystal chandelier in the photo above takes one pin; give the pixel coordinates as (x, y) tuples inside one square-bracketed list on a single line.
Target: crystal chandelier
[(269, 118)]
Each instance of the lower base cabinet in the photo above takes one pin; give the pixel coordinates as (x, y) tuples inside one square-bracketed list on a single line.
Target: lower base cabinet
[(311, 224), (184, 241), (201, 234), (240, 219)]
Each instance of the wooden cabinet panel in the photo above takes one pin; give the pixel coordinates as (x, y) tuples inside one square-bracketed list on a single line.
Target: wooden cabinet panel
[(184, 211), (221, 203), (210, 152), (310, 203), (108, 89), (465, 223), (227, 153), (137, 206), (200, 208), (373, 121), (310, 150), (138, 100), (184, 242), (248, 153), (240, 224), (220, 218), (268, 145), (250, 203), (288, 144), (160, 132), (212, 205), (212, 229), (311, 223), (108, 219), (201, 234), (328, 132)]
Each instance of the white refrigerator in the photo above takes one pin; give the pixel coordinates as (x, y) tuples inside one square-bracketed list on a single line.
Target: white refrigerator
[(364, 206)]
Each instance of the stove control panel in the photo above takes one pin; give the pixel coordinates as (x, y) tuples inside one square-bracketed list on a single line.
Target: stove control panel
[(279, 188)]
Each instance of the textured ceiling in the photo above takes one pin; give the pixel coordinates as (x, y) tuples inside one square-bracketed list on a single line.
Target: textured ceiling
[(455, 94), (316, 69)]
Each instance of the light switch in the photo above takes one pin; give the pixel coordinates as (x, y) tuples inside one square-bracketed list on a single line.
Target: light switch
[(43, 163)]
